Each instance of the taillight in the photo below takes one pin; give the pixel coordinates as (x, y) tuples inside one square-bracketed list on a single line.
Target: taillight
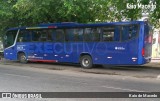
[(143, 52)]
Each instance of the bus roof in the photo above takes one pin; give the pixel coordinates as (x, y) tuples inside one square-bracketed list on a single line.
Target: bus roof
[(74, 24), (16, 28)]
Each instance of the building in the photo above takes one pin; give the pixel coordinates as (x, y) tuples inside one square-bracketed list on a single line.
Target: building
[(156, 44)]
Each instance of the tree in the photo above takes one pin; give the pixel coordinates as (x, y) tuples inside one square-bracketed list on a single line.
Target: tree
[(155, 15), (6, 14), (15, 13), (55, 11)]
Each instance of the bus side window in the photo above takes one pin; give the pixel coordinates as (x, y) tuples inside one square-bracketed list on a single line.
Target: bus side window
[(53, 32), (27, 37), (49, 35), (36, 35), (117, 33), (69, 35), (43, 36), (20, 37), (24, 36), (60, 35), (78, 35), (129, 32), (134, 31), (108, 33), (96, 34), (125, 33), (87, 34)]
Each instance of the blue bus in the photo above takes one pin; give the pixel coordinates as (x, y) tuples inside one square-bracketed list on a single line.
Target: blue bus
[(114, 43)]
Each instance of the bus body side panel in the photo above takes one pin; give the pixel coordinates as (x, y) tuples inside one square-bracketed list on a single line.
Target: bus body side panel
[(72, 51), (39, 51), (9, 53), (64, 52), (32, 50), (50, 51), (116, 53)]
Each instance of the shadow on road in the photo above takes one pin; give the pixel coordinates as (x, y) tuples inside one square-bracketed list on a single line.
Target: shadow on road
[(135, 71), (71, 65), (100, 67)]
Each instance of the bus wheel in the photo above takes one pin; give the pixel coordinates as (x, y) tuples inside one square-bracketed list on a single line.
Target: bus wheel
[(22, 58), (86, 62)]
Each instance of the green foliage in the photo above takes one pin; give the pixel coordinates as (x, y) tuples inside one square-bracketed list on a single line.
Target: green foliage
[(6, 14), (36, 11), (14, 13), (155, 16)]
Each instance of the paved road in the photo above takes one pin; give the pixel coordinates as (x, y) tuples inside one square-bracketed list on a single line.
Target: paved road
[(151, 70), (27, 78)]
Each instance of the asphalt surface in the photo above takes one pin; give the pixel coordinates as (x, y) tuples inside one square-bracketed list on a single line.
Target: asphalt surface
[(40, 77), (151, 70)]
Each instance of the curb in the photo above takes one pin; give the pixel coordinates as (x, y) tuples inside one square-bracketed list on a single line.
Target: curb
[(155, 60), (152, 65)]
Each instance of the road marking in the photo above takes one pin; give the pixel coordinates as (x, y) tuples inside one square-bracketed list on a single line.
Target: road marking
[(15, 75), (131, 90)]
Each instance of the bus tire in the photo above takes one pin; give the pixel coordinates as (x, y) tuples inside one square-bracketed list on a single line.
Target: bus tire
[(22, 58), (86, 62)]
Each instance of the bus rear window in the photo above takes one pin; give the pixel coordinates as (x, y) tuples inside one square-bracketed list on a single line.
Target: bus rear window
[(148, 34)]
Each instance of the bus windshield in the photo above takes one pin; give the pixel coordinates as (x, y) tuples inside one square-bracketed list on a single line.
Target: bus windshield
[(9, 38)]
